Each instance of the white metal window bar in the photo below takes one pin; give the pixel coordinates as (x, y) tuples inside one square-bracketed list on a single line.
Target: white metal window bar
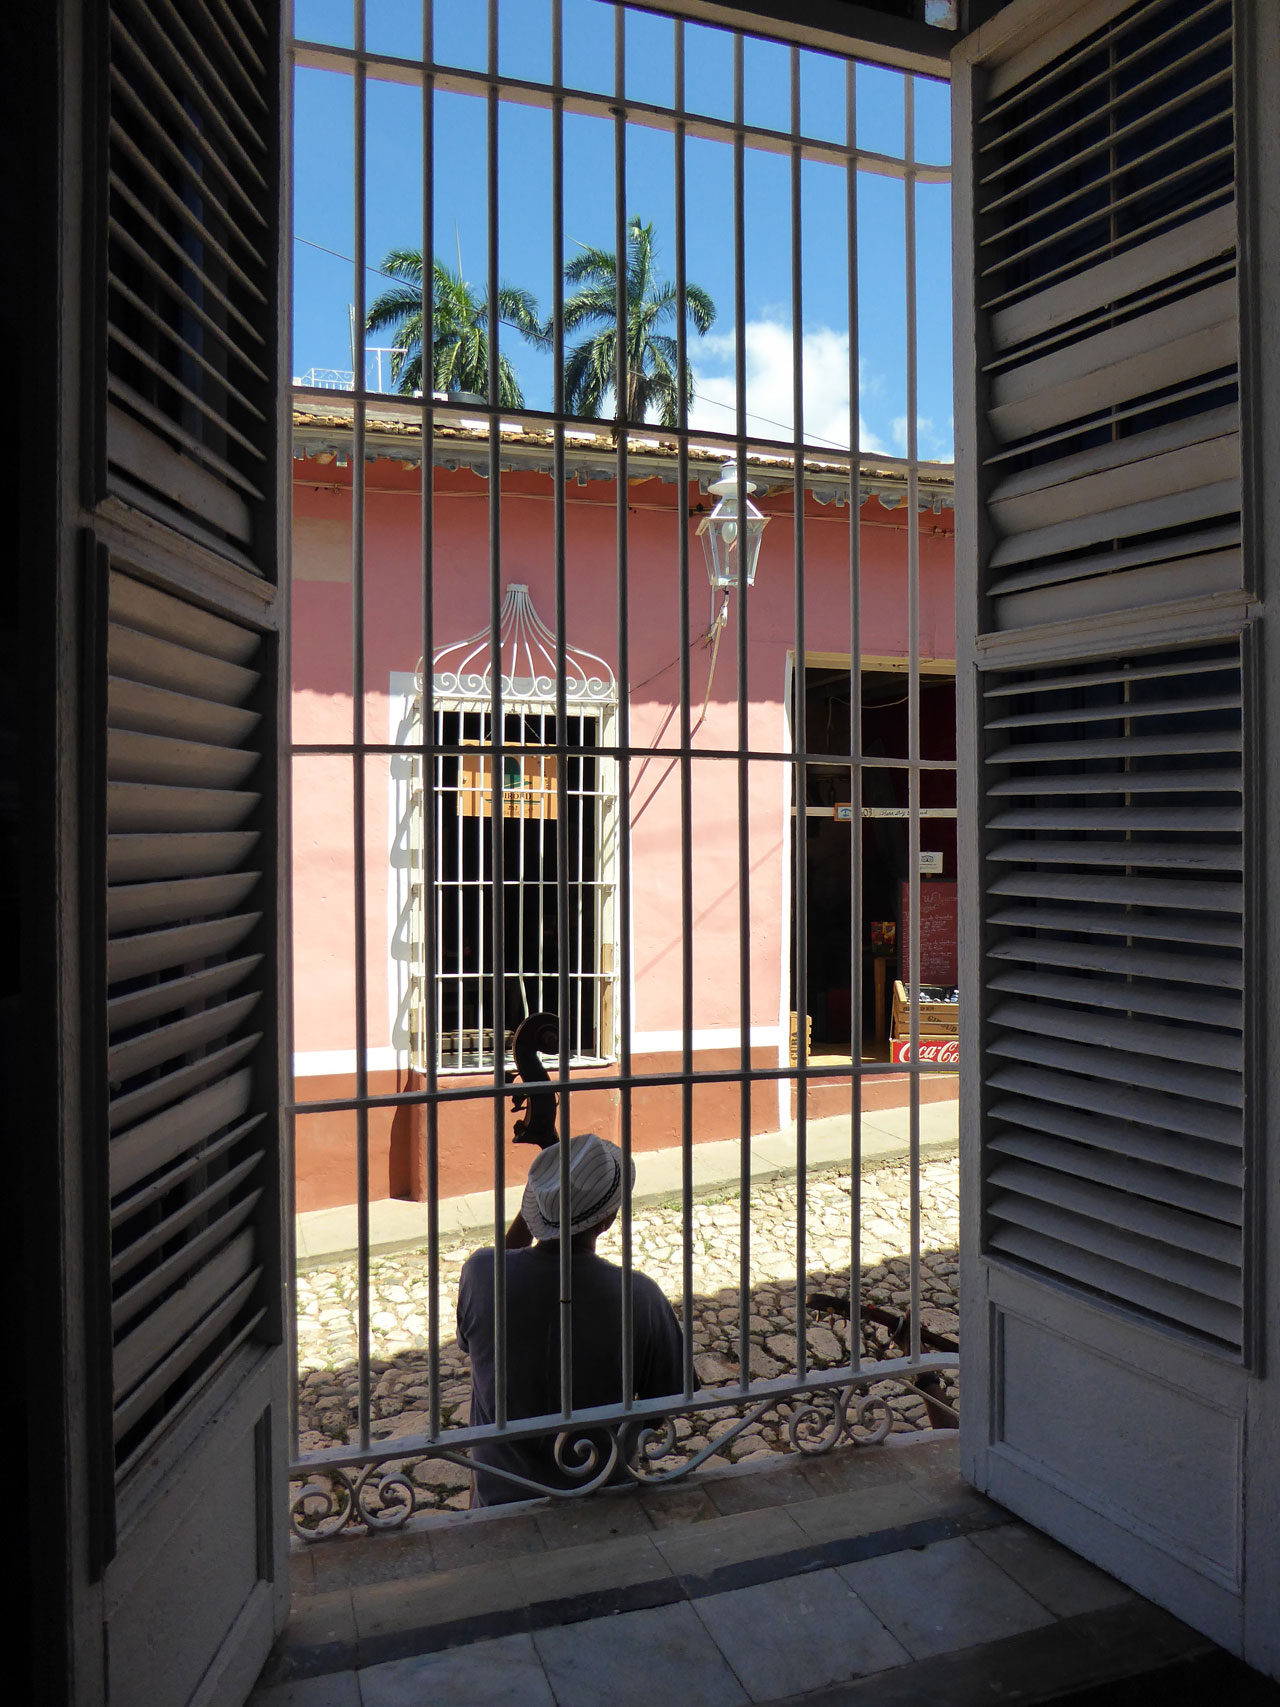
[(350, 1482), (530, 800)]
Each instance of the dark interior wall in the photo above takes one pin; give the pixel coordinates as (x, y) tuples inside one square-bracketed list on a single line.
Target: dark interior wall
[(884, 842), (37, 1664)]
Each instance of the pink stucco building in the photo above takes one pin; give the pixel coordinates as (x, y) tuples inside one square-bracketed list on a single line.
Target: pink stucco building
[(366, 689)]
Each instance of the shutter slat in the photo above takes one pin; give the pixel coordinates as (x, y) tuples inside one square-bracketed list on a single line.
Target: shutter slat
[(1204, 896), (1144, 267), (1185, 1306), (160, 951), (149, 658), (124, 1012), (151, 1342), (1204, 1084), (1202, 1275), (1194, 504), (1192, 335), (1177, 856), (160, 711), (187, 1350), (1032, 83), (1188, 92), (192, 1251), (183, 1126), (192, 1162), (1094, 818), (165, 1042), (1119, 747), (1193, 1233), (147, 610), (1175, 1114), (1222, 781), (141, 858), (1176, 1152), (1211, 547), (137, 757), (134, 807), (1127, 996), (1209, 969), (1168, 669), (139, 906), (1175, 1043), (1114, 456), (1081, 1161), (159, 1093), (1143, 479), (1180, 705)]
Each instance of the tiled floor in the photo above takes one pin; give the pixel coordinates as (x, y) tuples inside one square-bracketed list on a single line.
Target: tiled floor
[(859, 1578)]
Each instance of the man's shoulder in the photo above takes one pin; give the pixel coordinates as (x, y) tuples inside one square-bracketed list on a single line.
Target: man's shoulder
[(477, 1272), (644, 1286)]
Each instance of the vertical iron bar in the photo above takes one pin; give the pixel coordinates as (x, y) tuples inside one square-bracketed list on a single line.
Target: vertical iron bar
[(358, 736), (686, 735), (562, 709), (913, 691), (284, 858), (856, 928), (743, 733), (622, 393), (460, 899), (428, 726), (800, 729), (497, 736)]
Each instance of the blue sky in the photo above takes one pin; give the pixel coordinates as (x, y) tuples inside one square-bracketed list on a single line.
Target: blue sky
[(324, 217)]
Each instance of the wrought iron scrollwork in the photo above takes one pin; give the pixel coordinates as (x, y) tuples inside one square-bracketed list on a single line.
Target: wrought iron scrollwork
[(384, 1494)]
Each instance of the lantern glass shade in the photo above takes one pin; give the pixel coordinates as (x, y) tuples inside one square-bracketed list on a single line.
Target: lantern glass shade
[(730, 535)]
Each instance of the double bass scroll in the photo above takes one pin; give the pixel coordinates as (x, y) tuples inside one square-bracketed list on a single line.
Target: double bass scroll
[(536, 1035)]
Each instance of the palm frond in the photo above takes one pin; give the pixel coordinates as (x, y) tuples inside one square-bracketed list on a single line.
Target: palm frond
[(651, 357)]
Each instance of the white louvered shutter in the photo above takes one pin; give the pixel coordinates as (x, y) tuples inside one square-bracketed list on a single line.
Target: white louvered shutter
[(1113, 1064), (1108, 679), (1111, 784)]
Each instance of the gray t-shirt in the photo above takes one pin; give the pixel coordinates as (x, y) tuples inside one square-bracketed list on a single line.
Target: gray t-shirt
[(533, 1353)]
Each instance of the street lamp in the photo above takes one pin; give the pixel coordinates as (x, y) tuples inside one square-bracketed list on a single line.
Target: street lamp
[(730, 535)]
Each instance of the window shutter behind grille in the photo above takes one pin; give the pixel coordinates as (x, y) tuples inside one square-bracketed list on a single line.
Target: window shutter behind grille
[(185, 1000), (1106, 272), (1114, 897), (1111, 782), (190, 267)]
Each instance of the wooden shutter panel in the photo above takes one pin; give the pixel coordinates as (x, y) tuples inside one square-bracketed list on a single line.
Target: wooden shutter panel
[(185, 1000), (1111, 794), (1106, 273), (1114, 1059), (190, 267)]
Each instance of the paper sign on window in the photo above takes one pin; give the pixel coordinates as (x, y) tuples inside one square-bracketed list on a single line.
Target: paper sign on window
[(528, 785)]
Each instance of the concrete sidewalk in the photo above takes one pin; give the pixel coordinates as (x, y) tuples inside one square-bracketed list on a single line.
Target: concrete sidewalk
[(329, 1235)]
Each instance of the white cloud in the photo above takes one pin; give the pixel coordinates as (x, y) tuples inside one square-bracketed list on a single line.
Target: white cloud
[(933, 444), (769, 385)]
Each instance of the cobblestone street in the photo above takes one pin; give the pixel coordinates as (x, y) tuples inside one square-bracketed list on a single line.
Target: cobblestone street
[(327, 1300)]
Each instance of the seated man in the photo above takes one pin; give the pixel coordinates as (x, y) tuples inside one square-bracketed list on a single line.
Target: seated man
[(533, 1318)]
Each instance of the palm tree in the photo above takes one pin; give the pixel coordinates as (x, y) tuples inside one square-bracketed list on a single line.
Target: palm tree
[(459, 330), (591, 366)]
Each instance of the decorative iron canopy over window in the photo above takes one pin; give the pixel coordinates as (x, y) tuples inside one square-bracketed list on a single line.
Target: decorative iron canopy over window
[(530, 655)]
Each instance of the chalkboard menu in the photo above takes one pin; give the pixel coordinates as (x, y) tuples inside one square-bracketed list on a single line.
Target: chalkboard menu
[(938, 952)]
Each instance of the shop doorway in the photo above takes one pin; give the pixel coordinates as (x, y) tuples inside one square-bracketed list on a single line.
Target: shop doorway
[(858, 853)]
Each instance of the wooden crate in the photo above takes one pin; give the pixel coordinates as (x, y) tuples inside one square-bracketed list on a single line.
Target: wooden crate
[(795, 1037), (937, 1019)]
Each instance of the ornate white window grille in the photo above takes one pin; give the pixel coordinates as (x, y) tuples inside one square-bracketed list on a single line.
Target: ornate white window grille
[(557, 805)]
